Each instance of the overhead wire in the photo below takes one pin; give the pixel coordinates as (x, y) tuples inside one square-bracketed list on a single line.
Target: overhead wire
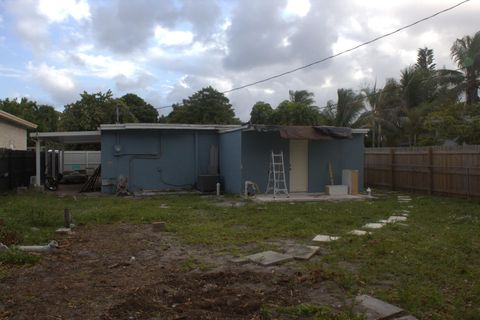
[(347, 50)]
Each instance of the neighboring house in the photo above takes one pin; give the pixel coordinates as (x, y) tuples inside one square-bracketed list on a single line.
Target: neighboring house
[(13, 131), (174, 156)]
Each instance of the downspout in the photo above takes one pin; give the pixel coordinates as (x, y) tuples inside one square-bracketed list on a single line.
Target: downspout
[(196, 157)]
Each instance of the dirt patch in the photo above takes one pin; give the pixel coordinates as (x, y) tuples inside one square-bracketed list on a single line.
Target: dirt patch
[(123, 271)]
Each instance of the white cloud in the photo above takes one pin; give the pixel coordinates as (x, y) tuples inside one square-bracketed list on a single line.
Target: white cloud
[(298, 8), (167, 37), (60, 10), (105, 66), (59, 83)]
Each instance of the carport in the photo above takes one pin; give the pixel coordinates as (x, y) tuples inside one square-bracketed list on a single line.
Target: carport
[(67, 137)]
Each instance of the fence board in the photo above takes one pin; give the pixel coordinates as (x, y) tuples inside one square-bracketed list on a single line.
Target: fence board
[(442, 170)]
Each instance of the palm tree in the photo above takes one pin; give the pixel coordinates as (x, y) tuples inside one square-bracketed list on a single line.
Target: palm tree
[(302, 96), (347, 111), (466, 54)]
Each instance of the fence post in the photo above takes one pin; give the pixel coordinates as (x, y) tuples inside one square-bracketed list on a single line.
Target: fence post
[(430, 170), (10, 170), (467, 172), (392, 167)]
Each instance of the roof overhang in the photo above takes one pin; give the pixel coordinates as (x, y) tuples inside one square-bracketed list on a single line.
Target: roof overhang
[(167, 126), (68, 137), (16, 120), (252, 128)]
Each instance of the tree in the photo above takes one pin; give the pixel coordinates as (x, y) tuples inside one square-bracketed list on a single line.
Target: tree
[(302, 96), (207, 106), (94, 109), (295, 114), (45, 116), (143, 111), (466, 54), (346, 112), (261, 113)]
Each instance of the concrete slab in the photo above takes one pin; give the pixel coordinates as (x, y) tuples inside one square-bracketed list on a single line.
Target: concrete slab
[(359, 232), (373, 226), (240, 260), (307, 197), (377, 309), (383, 221), (394, 219), (301, 252), (325, 238), (268, 258)]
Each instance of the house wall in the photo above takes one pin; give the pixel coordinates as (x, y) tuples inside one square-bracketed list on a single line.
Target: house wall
[(12, 135), (230, 158), (343, 154), (256, 155), (155, 159)]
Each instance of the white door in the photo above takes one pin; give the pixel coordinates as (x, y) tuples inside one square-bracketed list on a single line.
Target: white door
[(298, 165)]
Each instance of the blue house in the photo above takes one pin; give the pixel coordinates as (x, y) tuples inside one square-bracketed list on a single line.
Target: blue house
[(180, 156)]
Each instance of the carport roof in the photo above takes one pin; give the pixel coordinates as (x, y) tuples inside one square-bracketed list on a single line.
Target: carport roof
[(68, 137)]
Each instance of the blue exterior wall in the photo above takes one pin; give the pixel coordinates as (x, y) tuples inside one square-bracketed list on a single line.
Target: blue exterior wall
[(230, 158), (256, 155), (342, 153), (155, 159)]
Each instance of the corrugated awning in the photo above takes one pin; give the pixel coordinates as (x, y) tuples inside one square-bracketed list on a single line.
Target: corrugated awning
[(307, 132)]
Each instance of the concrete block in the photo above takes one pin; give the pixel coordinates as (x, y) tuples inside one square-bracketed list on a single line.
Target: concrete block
[(336, 190), (325, 238), (64, 231), (359, 232), (373, 226), (396, 219), (377, 309), (268, 258), (301, 252)]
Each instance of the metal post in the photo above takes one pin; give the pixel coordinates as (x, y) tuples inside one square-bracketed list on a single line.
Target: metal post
[(54, 155), (38, 182)]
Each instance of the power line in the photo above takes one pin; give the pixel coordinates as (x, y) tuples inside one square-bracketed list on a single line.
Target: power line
[(348, 50), (382, 91)]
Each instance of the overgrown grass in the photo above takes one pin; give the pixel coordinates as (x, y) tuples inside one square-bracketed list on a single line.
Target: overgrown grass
[(430, 267)]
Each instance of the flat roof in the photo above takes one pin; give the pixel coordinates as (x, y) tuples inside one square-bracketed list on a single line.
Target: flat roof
[(68, 137), (172, 126), (251, 128), (16, 120)]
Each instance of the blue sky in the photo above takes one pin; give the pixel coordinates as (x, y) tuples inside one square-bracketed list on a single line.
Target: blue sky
[(52, 50)]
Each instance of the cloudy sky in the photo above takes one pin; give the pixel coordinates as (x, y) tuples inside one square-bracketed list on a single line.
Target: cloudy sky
[(51, 50)]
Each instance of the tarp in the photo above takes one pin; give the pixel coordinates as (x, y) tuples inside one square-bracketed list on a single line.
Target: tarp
[(308, 132)]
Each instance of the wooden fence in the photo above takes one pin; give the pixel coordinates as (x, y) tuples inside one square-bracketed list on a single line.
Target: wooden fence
[(439, 170)]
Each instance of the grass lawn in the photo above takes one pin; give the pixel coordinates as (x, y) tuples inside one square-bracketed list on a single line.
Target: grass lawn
[(430, 268)]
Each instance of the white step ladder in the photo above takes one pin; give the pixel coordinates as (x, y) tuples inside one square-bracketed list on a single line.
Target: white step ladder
[(276, 175)]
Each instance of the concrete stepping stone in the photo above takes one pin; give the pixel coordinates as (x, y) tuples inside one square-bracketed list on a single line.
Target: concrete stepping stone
[(301, 252), (268, 258), (396, 219), (373, 226), (325, 238), (359, 232), (376, 309), (383, 221)]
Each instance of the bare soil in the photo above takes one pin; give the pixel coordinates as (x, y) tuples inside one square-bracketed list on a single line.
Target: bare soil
[(124, 271)]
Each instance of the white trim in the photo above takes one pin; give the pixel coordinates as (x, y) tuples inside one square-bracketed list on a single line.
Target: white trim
[(16, 120), (364, 131), (173, 126), (64, 134)]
